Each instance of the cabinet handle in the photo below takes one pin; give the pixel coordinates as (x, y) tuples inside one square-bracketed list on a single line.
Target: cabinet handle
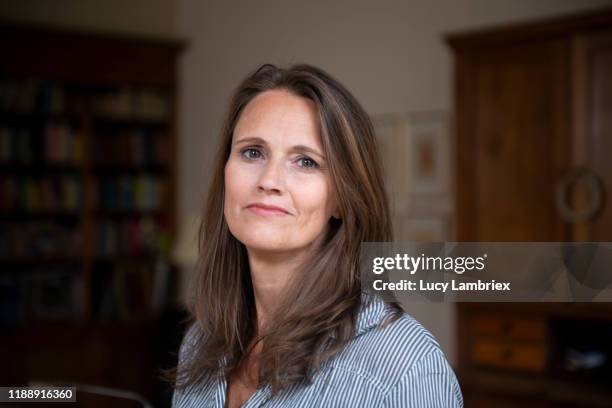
[(596, 192)]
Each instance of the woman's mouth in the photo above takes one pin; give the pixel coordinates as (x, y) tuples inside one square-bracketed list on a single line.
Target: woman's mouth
[(267, 210)]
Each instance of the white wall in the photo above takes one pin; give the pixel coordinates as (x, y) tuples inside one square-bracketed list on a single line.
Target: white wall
[(389, 53)]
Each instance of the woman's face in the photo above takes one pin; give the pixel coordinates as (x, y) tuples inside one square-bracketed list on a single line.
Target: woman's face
[(278, 194)]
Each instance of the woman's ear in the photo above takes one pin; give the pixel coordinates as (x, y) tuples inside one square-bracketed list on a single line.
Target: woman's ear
[(333, 205), (336, 214)]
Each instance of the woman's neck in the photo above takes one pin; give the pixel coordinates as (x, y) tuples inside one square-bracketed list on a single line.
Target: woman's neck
[(270, 274)]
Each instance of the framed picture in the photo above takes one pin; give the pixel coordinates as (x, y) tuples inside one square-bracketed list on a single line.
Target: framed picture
[(415, 149), (430, 152), (416, 154)]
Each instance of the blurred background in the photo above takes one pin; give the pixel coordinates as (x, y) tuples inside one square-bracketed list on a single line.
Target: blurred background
[(495, 118)]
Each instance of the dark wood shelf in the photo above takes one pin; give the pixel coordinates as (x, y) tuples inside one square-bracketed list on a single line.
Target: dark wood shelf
[(125, 258), (37, 118), (39, 215), (114, 169), (129, 213), (40, 168), (40, 261), (109, 122)]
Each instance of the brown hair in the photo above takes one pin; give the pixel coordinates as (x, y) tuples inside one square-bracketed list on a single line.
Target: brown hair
[(318, 315)]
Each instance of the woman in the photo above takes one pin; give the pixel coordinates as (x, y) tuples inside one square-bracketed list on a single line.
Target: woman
[(279, 315)]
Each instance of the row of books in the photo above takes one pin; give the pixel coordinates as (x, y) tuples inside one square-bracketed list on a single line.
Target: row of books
[(64, 193), (61, 145), (135, 147), (40, 293), (129, 193), (52, 97), (31, 96), (17, 145), (130, 236), (119, 292), (12, 300), (46, 239), (130, 102), (64, 145), (123, 292), (129, 291), (40, 194)]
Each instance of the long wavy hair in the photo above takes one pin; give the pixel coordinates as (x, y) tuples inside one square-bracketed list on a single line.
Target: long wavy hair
[(317, 316)]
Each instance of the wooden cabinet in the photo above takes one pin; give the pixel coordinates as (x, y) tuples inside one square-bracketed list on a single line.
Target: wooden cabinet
[(533, 109), (512, 141), (592, 128)]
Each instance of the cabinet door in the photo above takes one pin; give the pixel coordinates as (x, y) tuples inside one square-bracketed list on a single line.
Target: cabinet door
[(593, 133), (512, 141)]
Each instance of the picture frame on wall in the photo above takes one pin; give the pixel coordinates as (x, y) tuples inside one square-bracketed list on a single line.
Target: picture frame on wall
[(429, 137), (416, 149)]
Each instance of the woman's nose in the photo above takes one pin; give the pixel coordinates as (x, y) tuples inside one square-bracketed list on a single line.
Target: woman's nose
[(272, 177)]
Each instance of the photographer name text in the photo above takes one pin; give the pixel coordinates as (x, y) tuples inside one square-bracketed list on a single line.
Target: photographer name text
[(453, 285)]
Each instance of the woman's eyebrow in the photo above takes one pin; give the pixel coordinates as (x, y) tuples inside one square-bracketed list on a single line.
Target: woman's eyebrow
[(306, 149), (296, 148), (255, 139)]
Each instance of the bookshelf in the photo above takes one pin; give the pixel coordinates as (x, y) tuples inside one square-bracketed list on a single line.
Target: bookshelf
[(87, 187)]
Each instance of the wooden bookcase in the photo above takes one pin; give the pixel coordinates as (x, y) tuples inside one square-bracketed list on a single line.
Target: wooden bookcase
[(87, 202), (532, 106)]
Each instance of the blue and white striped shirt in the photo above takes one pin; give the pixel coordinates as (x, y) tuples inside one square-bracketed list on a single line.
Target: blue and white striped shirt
[(400, 365)]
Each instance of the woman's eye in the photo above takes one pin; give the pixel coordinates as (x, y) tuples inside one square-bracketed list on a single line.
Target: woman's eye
[(251, 153), (308, 163)]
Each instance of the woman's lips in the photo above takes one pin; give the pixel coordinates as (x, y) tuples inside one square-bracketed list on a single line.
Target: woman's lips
[(267, 210)]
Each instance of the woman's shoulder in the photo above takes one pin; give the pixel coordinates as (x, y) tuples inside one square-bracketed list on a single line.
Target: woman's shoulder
[(191, 338), (404, 336), (385, 327), (386, 351)]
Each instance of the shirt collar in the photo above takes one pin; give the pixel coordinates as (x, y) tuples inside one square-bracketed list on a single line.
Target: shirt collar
[(372, 313)]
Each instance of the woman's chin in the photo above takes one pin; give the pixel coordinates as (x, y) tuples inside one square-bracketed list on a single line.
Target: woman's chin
[(267, 245)]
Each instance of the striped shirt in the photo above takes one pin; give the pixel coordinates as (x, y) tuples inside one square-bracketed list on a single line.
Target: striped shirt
[(400, 365)]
